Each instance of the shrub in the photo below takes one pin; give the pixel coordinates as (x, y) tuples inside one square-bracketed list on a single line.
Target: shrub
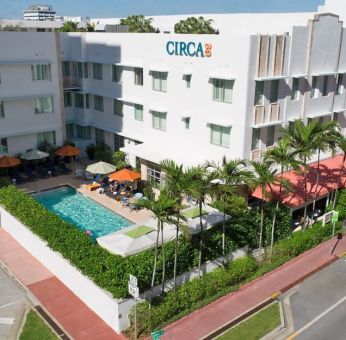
[(119, 160), (197, 293), (341, 204)]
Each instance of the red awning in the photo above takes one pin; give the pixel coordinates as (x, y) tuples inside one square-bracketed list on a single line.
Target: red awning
[(329, 174)]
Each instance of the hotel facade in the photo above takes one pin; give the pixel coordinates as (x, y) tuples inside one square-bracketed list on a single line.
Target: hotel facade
[(190, 98)]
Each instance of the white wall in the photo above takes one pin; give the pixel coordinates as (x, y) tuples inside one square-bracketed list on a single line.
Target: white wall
[(100, 301)]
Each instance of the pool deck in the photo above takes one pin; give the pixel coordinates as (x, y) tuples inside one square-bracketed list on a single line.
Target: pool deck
[(136, 216)]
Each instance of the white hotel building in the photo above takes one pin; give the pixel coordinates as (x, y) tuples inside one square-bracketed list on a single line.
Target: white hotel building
[(189, 98)]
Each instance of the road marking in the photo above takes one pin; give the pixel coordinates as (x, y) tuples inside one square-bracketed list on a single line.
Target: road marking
[(342, 254), (9, 304), (317, 318), (275, 295), (6, 321), (292, 336)]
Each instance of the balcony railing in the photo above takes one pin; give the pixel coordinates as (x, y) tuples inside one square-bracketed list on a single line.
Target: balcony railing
[(258, 114), (72, 82), (274, 112)]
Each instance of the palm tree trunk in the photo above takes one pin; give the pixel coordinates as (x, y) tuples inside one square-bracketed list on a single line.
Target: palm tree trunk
[(261, 227), (176, 258), (275, 214), (201, 239), (317, 179), (224, 234), (305, 190), (337, 188), (155, 262), (163, 261)]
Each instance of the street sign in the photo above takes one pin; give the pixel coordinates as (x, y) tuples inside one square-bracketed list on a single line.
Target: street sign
[(133, 280), (156, 335), (335, 216), (133, 290)]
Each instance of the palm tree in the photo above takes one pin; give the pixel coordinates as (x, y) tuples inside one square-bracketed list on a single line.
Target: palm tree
[(163, 209), (283, 156), (69, 26), (266, 178), (139, 24), (199, 187), (175, 185), (193, 25), (229, 176), (342, 146), (326, 136), (301, 137)]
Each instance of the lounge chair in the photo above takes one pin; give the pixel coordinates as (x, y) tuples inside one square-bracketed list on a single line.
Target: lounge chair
[(64, 169), (43, 173), (28, 172)]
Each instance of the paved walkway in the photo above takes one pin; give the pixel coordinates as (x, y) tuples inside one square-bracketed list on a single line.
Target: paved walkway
[(78, 320), (202, 322)]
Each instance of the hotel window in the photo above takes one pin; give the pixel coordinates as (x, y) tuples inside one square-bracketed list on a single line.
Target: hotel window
[(220, 135), (119, 142), (117, 73), (339, 85), (270, 135), (83, 132), (99, 136), (118, 107), (97, 71), (87, 102), (274, 91), (3, 145), (295, 89), (98, 103), (255, 142), (259, 93), (139, 112), (187, 78), (85, 69), (2, 110), (325, 86), (223, 90), (159, 81), (80, 70), (46, 137), (138, 76), (69, 131), (79, 100), (41, 72), (44, 104), (66, 69), (159, 120), (67, 99), (153, 173), (314, 91)]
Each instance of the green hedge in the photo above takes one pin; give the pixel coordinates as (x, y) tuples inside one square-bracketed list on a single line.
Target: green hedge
[(199, 292), (109, 271)]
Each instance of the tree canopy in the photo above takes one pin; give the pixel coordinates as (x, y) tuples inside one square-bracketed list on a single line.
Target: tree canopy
[(139, 24), (194, 25)]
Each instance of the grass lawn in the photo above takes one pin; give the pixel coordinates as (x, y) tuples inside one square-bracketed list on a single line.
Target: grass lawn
[(256, 326), (192, 213), (35, 328), (142, 230)]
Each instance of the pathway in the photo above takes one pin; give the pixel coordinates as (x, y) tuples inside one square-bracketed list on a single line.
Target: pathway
[(78, 320), (206, 320)]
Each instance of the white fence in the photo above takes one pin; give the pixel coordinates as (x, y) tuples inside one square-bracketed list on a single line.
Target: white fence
[(100, 301)]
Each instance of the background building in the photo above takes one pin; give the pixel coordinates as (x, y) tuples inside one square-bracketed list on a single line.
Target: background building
[(39, 13)]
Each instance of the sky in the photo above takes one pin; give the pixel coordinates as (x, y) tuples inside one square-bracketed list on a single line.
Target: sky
[(13, 9)]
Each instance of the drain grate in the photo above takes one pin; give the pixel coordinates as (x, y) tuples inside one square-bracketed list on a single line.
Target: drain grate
[(52, 323)]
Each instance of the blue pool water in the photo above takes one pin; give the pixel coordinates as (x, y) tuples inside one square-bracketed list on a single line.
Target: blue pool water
[(83, 212)]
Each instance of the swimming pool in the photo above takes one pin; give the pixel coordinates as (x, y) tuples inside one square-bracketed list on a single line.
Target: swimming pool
[(81, 211)]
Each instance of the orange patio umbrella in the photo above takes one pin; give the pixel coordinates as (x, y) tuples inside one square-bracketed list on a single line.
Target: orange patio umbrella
[(125, 175), (8, 162), (68, 150)]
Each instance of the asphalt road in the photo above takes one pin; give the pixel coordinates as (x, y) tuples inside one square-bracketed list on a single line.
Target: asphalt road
[(13, 304), (318, 304)]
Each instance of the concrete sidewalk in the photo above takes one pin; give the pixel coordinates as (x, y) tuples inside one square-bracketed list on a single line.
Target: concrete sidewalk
[(213, 316), (69, 312)]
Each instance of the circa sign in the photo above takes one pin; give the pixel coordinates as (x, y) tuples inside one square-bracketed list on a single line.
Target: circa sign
[(189, 49)]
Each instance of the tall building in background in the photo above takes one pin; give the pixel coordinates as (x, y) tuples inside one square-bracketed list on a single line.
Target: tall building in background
[(39, 13)]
